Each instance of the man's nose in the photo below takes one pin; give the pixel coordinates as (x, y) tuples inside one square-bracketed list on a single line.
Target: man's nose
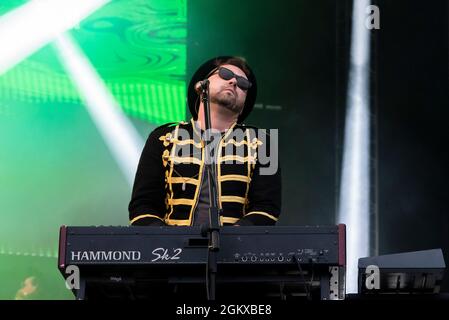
[(233, 81)]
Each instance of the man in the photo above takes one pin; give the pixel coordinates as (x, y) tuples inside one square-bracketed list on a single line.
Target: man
[(171, 187)]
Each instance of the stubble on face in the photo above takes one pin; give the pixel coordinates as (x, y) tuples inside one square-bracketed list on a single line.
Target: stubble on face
[(227, 98)]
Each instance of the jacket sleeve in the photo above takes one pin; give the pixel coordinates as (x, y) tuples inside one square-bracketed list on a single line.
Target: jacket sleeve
[(147, 205), (264, 194)]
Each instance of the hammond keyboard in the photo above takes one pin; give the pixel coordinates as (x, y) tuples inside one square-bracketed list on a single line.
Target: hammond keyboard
[(137, 256)]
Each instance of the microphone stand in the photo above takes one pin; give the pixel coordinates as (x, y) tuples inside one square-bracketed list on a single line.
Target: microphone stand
[(213, 231)]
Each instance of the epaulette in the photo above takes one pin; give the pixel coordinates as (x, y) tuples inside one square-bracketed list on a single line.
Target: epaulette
[(170, 124), (246, 126), (259, 131)]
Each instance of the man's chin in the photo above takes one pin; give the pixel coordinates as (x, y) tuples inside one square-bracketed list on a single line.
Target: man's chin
[(227, 103), (230, 105), (226, 100)]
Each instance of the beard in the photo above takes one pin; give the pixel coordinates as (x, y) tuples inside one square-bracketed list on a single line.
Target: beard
[(226, 100)]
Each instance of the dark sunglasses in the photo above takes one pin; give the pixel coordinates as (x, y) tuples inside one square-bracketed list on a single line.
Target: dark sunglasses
[(227, 74)]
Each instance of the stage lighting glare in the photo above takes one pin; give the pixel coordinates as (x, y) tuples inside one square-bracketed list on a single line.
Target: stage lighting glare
[(36, 23)]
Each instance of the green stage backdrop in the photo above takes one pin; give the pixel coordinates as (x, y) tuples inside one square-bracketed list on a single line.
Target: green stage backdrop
[(55, 166)]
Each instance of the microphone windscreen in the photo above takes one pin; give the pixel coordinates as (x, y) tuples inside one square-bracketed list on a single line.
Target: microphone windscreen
[(198, 87)]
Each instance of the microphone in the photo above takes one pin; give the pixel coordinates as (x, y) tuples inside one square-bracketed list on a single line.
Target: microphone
[(201, 85)]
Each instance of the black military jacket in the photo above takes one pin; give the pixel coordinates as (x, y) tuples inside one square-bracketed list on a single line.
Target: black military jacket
[(169, 176)]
